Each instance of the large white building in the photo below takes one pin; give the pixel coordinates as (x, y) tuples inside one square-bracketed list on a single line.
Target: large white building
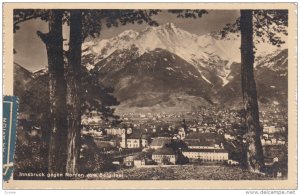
[(217, 155)]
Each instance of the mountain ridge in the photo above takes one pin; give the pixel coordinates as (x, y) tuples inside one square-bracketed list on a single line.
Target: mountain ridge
[(167, 68), (203, 51)]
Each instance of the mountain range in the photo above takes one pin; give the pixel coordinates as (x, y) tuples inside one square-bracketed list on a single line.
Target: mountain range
[(168, 69)]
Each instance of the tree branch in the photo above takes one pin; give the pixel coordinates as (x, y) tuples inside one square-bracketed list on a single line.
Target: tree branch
[(44, 36), (29, 18)]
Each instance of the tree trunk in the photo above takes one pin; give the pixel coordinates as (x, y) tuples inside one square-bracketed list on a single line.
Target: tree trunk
[(255, 158), (73, 91), (58, 135)]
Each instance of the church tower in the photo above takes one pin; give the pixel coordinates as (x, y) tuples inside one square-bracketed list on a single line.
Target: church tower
[(182, 133), (124, 139)]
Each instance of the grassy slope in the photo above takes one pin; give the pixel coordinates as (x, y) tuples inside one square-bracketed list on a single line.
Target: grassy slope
[(190, 173)]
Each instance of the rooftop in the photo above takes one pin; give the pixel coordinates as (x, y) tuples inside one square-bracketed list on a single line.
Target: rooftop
[(160, 141), (206, 150), (197, 142), (196, 135), (134, 135), (164, 151)]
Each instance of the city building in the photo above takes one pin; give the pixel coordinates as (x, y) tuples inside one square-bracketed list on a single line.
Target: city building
[(160, 142), (203, 141), (114, 131), (164, 155), (217, 155), (133, 140)]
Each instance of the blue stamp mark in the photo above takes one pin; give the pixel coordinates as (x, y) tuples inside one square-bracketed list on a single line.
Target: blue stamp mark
[(10, 109)]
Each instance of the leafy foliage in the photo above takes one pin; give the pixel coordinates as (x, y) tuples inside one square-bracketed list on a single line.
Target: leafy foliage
[(30, 155), (270, 23), (22, 15), (268, 26), (97, 98), (91, 160), (177, 146), (188, 13), (35, 99), (95, 19)]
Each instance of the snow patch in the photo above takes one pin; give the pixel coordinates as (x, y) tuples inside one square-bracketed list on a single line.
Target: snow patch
[(227, 71), (206, 79), (169, 68), (224, 79)]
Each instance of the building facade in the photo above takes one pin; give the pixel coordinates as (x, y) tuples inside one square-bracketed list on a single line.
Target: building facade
[(132, 139), (216, 155), (114, 131), (133, 143), (164, 156)]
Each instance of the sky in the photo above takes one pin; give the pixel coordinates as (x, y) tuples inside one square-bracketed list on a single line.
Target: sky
[(31, 51)]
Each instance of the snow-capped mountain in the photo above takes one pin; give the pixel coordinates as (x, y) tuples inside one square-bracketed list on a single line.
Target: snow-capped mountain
[(205, 52), (157, 79), (168, 69), (271, 73)]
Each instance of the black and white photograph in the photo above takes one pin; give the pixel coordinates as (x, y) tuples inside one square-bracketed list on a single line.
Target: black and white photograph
[(152, 94)]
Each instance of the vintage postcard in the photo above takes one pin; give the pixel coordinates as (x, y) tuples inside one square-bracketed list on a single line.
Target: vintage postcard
[(150, 95)]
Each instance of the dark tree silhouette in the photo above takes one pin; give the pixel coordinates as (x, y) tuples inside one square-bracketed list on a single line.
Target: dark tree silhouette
[(57, 85), (65, 97), (73, 90), (53, 41), (267, 27), (255, 158)]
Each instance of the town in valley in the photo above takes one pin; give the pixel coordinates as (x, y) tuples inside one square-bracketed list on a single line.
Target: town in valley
[(209, 137)]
